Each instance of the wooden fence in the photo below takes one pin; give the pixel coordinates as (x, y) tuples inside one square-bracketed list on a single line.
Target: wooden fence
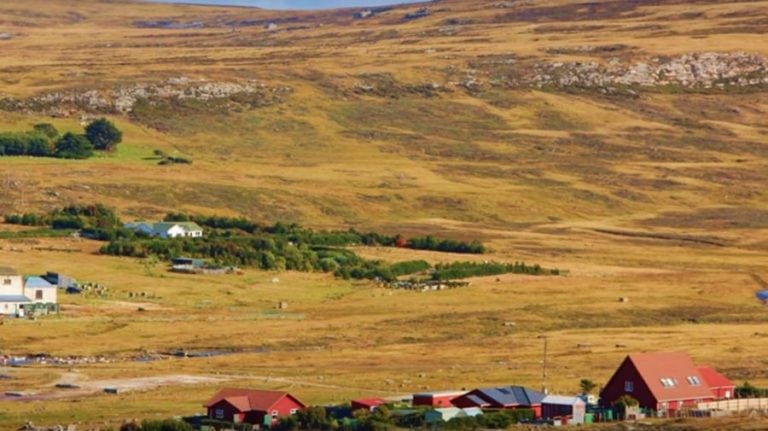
[(736, 404)]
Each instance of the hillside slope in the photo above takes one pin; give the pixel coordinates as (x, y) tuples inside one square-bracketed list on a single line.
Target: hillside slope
[(644, 113)]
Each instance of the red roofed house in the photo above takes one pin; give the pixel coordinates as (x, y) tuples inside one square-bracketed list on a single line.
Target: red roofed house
[(255, 407), (367, 404), (720, 386), (436, 399), (665, 382)]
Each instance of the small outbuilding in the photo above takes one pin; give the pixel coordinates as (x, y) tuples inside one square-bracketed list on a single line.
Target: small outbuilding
[(557, 406), (255, 407), (436, 399), (507, 398), (368, 404)]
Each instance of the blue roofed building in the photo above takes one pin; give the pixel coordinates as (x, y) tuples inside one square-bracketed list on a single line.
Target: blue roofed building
[(39, 290), (505, 397)]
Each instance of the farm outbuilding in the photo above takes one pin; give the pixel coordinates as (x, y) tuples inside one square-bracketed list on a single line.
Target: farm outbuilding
[(556, 406), (368, 404), (436, 399), (256, 407), (508, 397)]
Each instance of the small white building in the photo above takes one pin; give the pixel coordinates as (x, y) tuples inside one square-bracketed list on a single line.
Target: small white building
[(28, 295), (557, 406), (176, 229), (39, 291), (12, 299)]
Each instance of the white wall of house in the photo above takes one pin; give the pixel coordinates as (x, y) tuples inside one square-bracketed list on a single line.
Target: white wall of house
[(11, 308), (41, 295), (174, 232), (11, 285)]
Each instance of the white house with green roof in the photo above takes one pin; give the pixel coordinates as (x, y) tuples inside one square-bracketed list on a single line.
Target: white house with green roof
[(171, 229)]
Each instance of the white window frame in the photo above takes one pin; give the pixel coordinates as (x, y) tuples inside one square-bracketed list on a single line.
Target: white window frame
[(275, 413), (293, 411)]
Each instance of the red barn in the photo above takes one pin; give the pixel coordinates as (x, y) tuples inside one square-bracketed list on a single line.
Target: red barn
[(665, 382), (255, 407), (720, 386), (367, 403), (436, 399), (508, 397)]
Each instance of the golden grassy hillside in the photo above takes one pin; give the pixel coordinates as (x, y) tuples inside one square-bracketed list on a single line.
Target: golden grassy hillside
[(491, 120)]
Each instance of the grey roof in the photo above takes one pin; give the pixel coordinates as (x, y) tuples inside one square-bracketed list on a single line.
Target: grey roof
[(512, 395), (14, 298), (35, 281), (562, 400), (7, 270)]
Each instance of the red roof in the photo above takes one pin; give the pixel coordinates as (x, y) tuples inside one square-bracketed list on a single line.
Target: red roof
[(247, 400), (714, 379), (369, 402), (671, 376)]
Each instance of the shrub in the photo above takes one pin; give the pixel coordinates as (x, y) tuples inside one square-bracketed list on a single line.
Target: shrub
[(103, 134), (71, 146)]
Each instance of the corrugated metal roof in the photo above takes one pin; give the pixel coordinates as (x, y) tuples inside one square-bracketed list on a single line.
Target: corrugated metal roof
[(35, 281), (7, 270), (561, 400), (14, 298), (512, 395)]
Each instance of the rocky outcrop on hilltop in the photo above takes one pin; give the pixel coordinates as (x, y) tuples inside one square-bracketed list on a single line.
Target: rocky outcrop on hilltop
[(707, 70), (121, 100), (697, 70)]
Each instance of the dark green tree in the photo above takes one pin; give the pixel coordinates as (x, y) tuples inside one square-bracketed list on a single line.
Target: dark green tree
[(71, 146), (103, 134), (587, 386), (38, 146)]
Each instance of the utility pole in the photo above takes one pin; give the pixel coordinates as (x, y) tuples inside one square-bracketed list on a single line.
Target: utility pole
[(544, 366)]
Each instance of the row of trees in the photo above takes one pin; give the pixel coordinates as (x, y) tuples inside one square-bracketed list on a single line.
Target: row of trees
[(337, 238), (454, 270), (279, 247), (44, 141), (70, 217)]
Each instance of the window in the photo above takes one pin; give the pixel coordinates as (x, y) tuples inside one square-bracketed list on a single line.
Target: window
[(629, 386), (668, 382), (275, 413), (38, 295), (6, 281), (219, 413), (693, 381), (293, 411)]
